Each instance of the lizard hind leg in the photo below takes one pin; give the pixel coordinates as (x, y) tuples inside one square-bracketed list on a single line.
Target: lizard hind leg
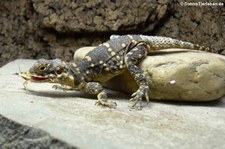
[(132, 58)]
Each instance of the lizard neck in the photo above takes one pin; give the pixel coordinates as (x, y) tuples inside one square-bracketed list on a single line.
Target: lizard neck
[(78, 76)]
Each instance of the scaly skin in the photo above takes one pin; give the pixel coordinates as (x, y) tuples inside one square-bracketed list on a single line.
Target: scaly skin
[(103, 63)]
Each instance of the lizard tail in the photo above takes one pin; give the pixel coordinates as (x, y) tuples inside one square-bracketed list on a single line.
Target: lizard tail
[(203, 48), (158, 43)]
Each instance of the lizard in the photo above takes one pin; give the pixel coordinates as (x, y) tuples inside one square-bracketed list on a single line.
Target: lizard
[(104, 62)]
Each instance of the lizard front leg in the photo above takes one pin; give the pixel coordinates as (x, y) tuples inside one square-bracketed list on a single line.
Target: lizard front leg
[(97, 89), (132, 58)]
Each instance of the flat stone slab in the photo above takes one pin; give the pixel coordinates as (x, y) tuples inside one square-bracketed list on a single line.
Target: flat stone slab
[(73, 117)]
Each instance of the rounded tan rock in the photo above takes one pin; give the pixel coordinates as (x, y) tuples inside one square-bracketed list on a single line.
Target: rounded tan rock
[(175, 74)]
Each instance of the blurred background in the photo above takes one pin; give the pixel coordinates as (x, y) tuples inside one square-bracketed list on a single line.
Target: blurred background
[(55, 29)]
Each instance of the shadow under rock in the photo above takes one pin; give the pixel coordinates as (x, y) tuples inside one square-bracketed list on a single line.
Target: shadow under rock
[(215, 103), (113, 95)]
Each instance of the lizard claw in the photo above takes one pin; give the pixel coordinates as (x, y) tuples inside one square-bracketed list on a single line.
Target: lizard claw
[(139, 95), (55, 87), (25, 84), (58, 87), (106, 103)]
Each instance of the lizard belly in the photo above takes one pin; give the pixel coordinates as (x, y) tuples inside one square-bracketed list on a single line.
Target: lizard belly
[(105, 76)]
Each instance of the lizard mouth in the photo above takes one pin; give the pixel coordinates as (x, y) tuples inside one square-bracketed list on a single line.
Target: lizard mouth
[(33, 78), (38, 79)]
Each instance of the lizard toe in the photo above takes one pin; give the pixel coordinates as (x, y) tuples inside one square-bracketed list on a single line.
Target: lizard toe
[(106, 103), (137, 97)]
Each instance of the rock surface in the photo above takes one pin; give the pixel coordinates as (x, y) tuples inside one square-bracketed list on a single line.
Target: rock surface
[(73, 118), (175, 74), (15, 135)]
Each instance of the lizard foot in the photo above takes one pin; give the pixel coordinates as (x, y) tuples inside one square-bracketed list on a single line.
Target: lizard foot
[(138, 96), (106, 103), (102, 101), (59, 87)]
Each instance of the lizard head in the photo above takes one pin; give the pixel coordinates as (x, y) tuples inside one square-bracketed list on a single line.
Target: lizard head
[(52, 71)]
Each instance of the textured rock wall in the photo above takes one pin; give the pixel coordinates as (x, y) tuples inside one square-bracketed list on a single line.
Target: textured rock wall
[(48, 29), (203, 25), (100, 16)]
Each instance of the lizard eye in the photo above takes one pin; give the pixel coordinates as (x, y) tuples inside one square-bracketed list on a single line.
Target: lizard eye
[(42, 68), (58, 72)]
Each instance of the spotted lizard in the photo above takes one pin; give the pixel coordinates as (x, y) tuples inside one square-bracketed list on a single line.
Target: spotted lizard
[(106, 61)]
